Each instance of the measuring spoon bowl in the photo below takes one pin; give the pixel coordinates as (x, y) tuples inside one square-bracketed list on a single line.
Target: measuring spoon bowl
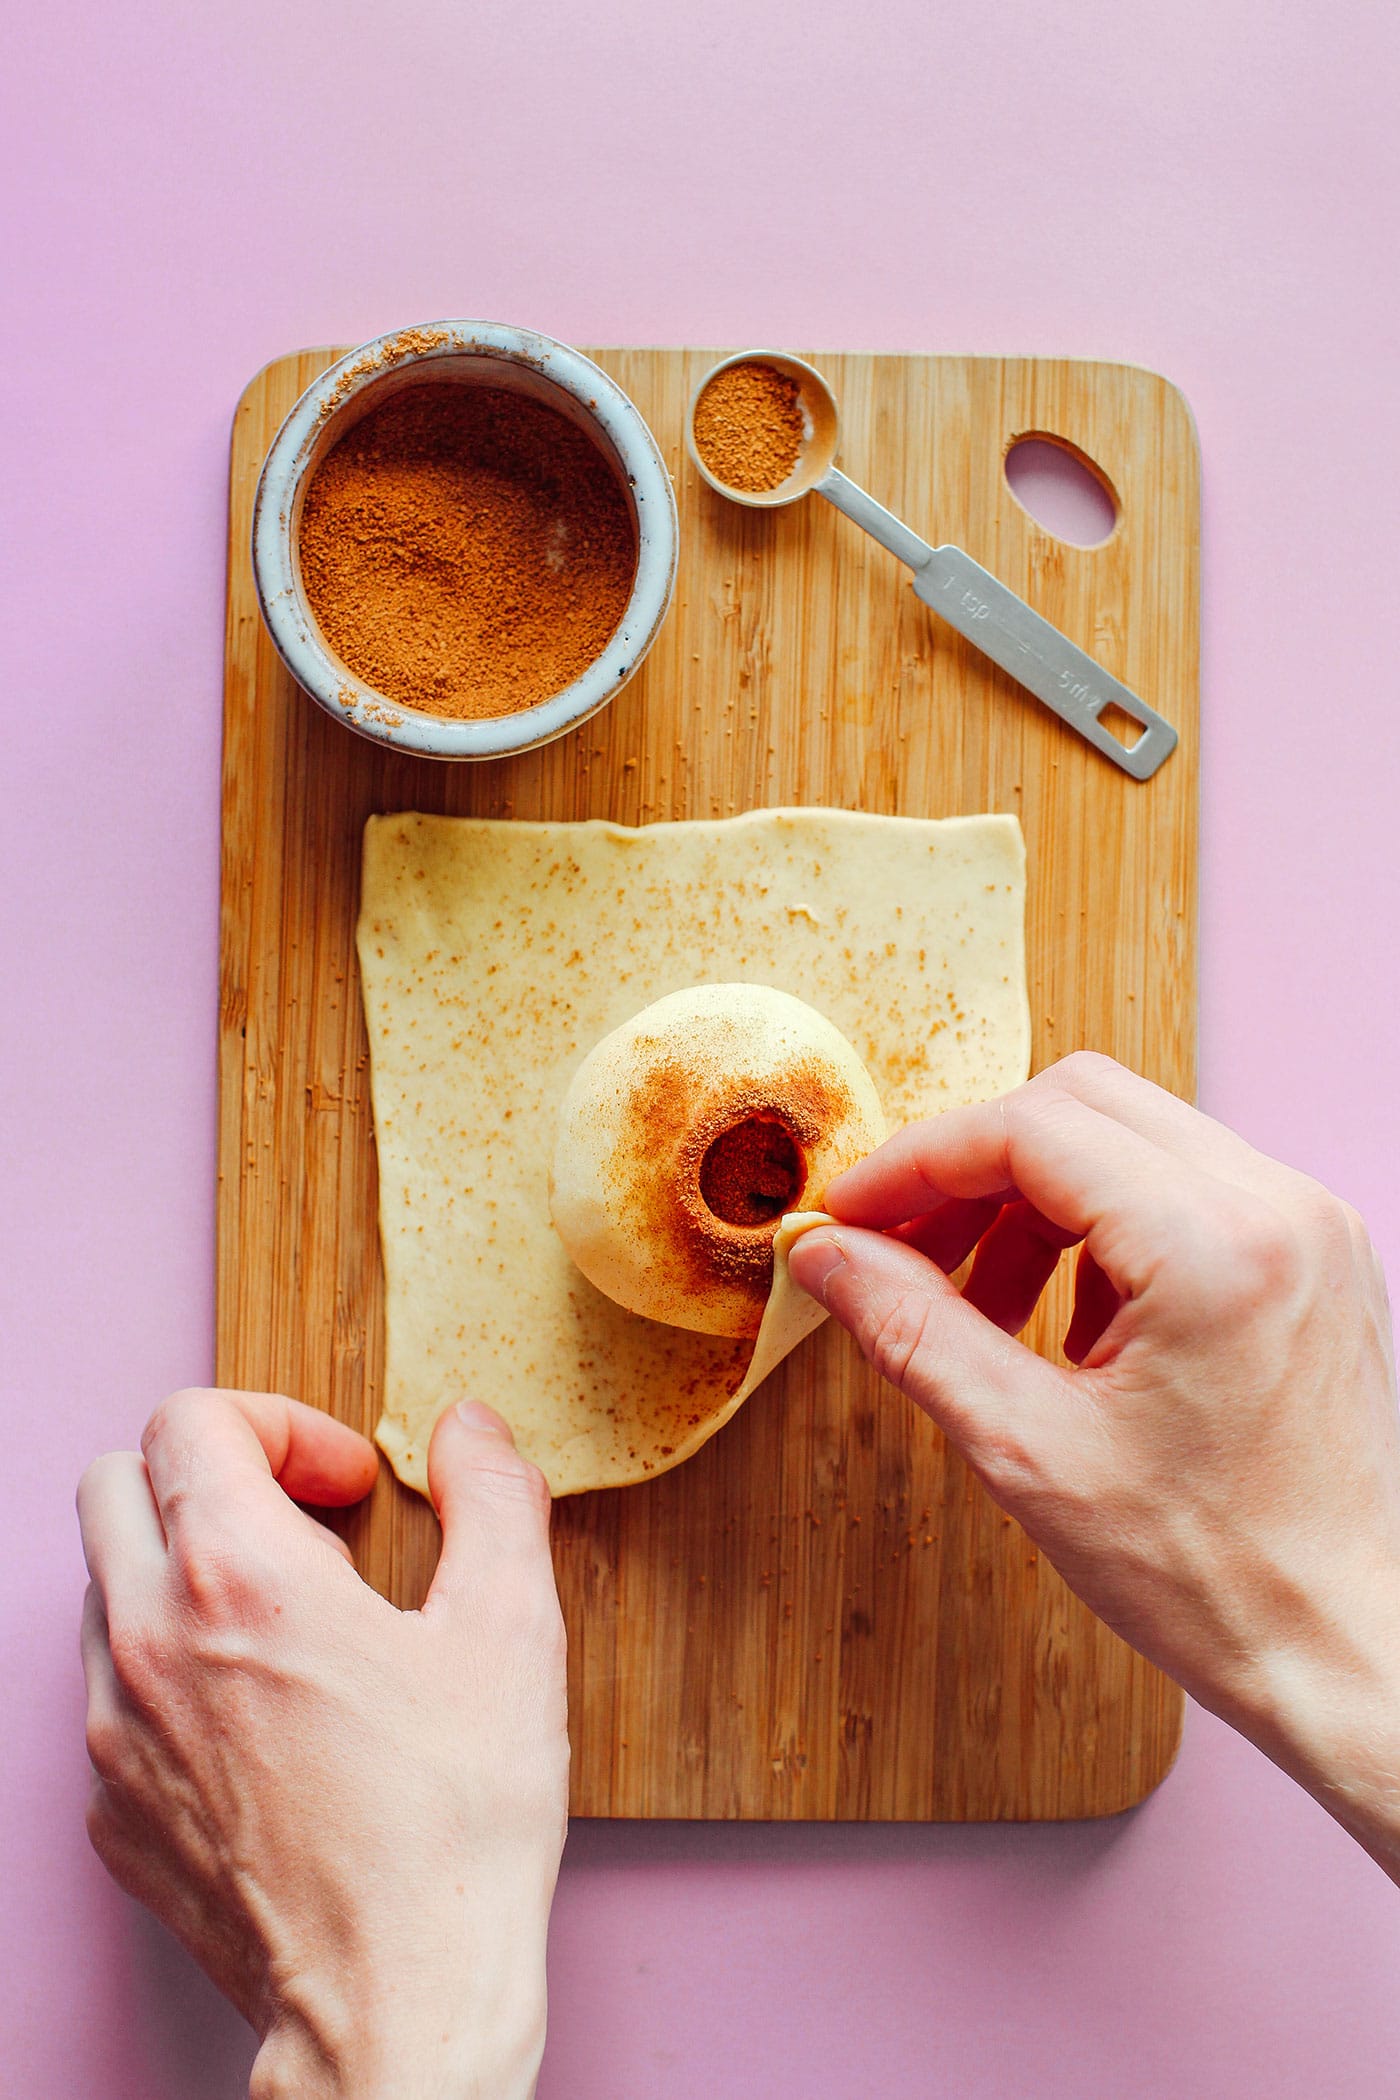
[(821, 431)]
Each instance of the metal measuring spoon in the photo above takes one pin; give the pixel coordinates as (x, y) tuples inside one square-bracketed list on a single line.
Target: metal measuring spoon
[(1046, 662)]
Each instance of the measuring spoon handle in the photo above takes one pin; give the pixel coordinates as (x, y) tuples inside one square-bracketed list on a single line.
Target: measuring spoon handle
[(1016, 638), (872, 517), (1042, 659)]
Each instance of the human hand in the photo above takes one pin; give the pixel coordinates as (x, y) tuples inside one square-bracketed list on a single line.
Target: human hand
[(352, 1816), (1219, 1478)]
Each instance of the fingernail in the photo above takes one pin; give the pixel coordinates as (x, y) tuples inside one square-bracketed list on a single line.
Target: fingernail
[(813, 1262), (477, 1416)]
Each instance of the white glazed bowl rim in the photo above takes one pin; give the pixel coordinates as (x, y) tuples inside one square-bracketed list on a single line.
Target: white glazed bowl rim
[(300, 443)]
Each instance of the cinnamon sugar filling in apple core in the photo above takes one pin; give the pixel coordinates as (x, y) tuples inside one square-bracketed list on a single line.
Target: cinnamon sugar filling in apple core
[(753, 1172)]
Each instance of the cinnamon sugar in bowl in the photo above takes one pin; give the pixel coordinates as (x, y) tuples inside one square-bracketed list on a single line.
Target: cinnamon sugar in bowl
[(464, 540)]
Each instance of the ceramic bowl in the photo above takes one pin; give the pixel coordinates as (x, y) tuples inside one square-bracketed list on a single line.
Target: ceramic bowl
[(488, 353)]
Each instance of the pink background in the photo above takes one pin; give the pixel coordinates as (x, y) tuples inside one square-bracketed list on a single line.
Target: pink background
[(1209, 189)]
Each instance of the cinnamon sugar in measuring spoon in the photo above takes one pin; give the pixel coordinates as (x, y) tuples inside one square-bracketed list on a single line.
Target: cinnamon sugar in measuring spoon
[(748, 426)]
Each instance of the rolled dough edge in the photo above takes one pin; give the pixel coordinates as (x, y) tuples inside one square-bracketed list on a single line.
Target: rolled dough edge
[(788, 1318)]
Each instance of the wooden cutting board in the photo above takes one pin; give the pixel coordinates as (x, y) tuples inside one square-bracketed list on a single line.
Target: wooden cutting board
[(820, 1615)]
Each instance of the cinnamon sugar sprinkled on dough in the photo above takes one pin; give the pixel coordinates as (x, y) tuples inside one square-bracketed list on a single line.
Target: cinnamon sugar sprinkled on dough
[(495, 954), (675, 1125)]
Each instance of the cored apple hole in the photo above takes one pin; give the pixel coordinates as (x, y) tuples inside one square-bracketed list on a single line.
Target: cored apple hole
[(1062, 490), (753, 1172)]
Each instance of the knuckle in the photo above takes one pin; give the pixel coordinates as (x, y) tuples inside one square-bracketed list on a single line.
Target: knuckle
[(171, 1414), (226, 1586), (186, 1397), (158, 1427), (96, 1471), (1259, 1260), (899, 1335), (137, 1657), (1034, 1111), (535, 1489), (1338, 1228), (1007, 1467), (1082, 1071), (1335, 1241), (1317, 1207), (531, 1611), (106, 1744), (101, 1824), (514, 1481)]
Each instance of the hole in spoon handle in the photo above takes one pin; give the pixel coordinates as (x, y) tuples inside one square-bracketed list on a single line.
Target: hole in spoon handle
[(1046, 662)]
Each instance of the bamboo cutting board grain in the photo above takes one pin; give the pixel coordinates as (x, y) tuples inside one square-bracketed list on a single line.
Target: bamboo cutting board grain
[(821, 1615)]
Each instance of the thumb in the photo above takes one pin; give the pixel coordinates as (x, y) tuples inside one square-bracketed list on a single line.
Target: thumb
[(1001, 1404), (492, 1503)]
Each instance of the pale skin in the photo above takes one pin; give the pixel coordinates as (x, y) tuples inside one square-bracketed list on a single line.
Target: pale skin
[(353, 1816)]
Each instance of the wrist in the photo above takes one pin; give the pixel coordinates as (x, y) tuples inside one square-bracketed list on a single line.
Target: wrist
[(1324, 1705), (477, 2034), (440, 2059)]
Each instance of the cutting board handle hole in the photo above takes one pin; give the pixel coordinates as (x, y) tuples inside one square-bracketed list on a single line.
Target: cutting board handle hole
[(1062, 488)]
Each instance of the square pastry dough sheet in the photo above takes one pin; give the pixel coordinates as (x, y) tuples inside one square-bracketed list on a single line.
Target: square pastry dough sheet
[(494, 954)]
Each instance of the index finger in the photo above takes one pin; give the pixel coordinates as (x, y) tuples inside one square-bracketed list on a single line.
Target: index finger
[(1085, 1172), (232, 1447)]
